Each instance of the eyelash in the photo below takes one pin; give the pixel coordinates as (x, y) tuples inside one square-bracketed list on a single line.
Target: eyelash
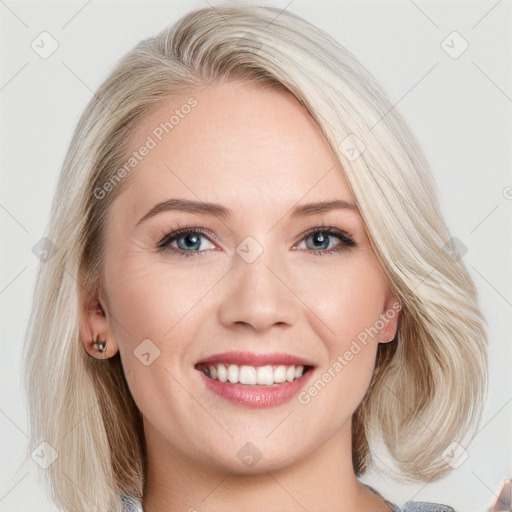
[(164, 245)]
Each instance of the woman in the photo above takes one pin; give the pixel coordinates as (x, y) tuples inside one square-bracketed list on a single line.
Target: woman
[(253, 284)]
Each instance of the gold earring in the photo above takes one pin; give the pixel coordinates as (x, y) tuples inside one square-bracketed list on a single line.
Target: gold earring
[(99, 345)]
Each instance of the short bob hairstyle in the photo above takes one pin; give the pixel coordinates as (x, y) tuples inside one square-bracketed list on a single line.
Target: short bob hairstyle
[(428, 387)]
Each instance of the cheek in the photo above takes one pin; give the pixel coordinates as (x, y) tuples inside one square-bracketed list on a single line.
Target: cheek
[(345, 304), (347, 298), (138, 302), (153, 298), (147, 290), (148, 318)]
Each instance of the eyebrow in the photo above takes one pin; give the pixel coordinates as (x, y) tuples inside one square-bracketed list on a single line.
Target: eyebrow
[(217, 210)]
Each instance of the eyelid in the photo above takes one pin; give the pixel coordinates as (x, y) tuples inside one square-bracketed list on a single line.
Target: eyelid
[(180, 230), (330, 230), (347, 241)]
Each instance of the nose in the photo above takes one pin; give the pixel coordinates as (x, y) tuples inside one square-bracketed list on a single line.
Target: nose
[(258, 295)]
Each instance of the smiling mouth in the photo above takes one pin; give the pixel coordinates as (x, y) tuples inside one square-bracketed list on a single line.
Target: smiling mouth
[(266, 376)]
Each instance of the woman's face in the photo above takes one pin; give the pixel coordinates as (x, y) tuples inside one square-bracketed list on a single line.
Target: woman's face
[(252, 280)]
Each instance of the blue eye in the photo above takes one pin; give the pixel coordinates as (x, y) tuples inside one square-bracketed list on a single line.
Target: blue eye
[(322, 237), (188, 241)]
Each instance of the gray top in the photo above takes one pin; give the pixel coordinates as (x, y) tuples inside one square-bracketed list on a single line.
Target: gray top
[(423, 506), (414, 506), (133, 504)]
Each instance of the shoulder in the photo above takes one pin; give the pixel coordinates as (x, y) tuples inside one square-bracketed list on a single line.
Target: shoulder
[(413, 506), (424, 506), (131, 503)]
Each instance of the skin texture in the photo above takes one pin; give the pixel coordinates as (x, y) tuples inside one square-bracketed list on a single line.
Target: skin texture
[(258, 153)]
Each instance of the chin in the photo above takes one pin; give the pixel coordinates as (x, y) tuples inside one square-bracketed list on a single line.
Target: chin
[(249, 459)]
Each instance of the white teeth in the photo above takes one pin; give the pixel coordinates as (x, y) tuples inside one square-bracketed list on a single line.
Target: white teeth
[(233, 373), (251, 375), (222, 374), (247, 375), (265, 375), (280, 374)]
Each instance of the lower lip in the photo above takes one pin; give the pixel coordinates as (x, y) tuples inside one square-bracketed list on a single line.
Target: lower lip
[(257, 397)]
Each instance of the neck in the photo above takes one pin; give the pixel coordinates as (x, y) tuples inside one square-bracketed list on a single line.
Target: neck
[(323, 480)]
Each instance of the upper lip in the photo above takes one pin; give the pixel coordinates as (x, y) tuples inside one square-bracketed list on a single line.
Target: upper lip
[(253, 359)]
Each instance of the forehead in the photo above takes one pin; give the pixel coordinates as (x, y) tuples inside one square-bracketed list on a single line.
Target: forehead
[(234, 143)]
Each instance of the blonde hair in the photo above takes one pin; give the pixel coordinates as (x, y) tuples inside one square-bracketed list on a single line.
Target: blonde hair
[(428, 387)]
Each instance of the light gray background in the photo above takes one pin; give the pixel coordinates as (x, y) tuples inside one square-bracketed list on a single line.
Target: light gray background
[(460, 110)]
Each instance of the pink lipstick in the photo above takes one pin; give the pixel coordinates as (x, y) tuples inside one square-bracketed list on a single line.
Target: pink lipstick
[(255, 380)]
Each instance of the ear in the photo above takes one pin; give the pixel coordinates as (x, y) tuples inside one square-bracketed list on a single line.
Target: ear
[(389, 318), (95, 326)]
